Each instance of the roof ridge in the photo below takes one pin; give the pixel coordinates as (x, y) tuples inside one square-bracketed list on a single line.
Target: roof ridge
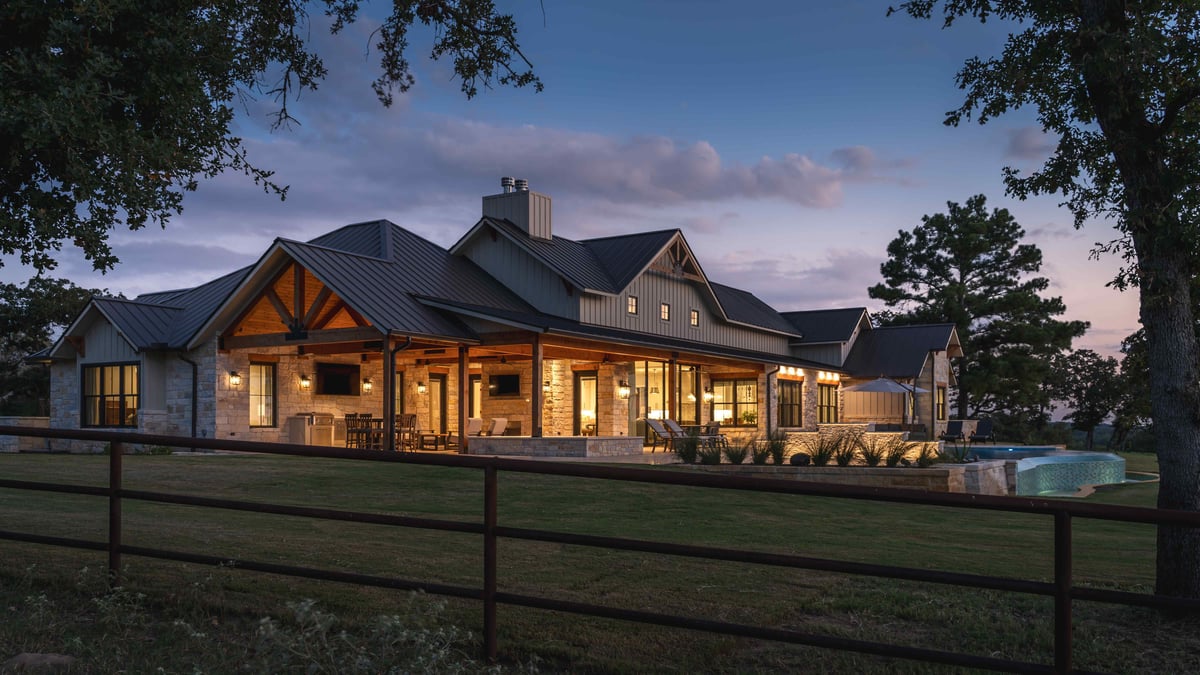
[(132, 301), (671, 230), (335, 250)]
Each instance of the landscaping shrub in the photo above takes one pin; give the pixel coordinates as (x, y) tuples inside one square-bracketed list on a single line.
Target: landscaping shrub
[(956, 453), (777, 446), (709, 453), (736, 454), (874, 449), (687, 449), (821, 447), (758, 451), (845, 452), (927, 455)]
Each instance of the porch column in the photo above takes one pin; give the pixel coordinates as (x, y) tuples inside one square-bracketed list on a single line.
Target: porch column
[(389, 395), (535, 397), (933, 434), (464, 395), (672, 380)]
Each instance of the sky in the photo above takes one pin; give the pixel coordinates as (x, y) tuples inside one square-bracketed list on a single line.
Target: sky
[(789, 141)]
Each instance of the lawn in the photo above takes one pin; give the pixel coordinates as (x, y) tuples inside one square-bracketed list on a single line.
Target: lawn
[(190, 618)]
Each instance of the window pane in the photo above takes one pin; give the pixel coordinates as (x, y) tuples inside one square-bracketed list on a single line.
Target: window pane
[(130, 384), (262, 394)]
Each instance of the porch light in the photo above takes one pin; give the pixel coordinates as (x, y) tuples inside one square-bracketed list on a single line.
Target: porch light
[(235, 378), (305, 381), (367, 385), (421, 389), (623, 389), (708, 395)]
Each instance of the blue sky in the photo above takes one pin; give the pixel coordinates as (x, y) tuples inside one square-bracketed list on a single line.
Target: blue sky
[(789, 141)]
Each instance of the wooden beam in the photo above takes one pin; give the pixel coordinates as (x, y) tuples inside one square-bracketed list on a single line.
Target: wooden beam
[(319, 303), (328, 316), (535, 395), (315, 337), (287, 319), (297, 295), (464, 395)]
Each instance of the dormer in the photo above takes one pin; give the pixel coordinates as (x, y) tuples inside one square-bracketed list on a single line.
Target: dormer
[(528, 210)]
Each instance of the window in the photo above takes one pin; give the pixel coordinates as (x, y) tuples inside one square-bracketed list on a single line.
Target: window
[(262, 394), (827, 404), (735, 402), (110, 395), (631, 304), (791, 403), (664, 312), (941, 403), (694, 317)]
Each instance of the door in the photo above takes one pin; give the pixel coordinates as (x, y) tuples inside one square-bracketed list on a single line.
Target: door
[(437, 403), (475, 405), (585, 403)]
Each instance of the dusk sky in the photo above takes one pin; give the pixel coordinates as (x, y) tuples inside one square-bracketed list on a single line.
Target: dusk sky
[(789, 141)]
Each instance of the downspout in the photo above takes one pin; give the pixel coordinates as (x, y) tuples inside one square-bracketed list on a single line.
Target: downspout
[(195, 389)]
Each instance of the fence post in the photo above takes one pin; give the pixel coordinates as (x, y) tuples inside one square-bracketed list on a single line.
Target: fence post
[(489, 563), (114, 513), (1062, 592)]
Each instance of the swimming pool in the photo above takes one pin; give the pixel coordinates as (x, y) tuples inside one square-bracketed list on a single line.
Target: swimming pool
[(1048, 470)]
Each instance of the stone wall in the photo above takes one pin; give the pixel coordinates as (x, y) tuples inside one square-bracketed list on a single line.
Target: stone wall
[(24, 443), (984, 479), (557, 446)]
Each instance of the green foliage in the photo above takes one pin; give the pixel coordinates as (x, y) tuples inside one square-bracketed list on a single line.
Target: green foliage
[(1090, 386), (687, 448), (897, 449), (956, 452), (709, 453), (736, 454), (968, 267), (927, 455), (110, 112), (759, 452), (874, 448), (821, 447), (777, 444), (845, 453), (159, 450)]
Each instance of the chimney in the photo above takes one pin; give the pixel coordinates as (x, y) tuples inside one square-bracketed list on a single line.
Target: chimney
[(528, 210)]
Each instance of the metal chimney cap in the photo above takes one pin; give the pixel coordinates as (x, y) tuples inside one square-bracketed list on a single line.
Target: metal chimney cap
[(522, 185), (506, 183)]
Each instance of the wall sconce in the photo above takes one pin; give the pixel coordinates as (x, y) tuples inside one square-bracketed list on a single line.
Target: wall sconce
[(708, 395), (367, 385), (623, 390), (546, 387), (235, 378), (421, 388), (305, 381)]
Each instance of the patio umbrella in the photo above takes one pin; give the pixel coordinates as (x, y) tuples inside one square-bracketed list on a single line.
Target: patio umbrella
[(885, 385)]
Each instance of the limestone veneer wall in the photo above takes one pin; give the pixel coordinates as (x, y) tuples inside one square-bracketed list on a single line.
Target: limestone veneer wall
[(980, 478), (23, 443)]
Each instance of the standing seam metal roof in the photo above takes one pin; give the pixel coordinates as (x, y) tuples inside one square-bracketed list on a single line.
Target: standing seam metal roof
[(744, 307), (896, 351), (825, 325)]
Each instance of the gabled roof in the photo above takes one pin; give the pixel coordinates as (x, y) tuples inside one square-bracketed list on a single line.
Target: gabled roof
[(625, 256), (569, 259), (899, 351), (825, 325), (142, 325), (743, 307)]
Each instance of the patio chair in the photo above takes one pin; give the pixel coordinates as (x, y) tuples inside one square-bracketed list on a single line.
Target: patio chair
[(406, 431), (983, 432), (474, 428), (499, 424), (661, 433), (705, 437), (954, 432)]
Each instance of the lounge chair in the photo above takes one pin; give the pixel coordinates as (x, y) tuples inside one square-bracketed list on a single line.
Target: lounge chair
[(474, 428), (983, 432), (705, 436), (954, 432), (661, 433), (499, 424)]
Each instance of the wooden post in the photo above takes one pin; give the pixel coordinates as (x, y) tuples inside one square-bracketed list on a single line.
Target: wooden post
[(672, 380), (114, 513), (389, 395), (535, 397), (464, 395), (489, 563)]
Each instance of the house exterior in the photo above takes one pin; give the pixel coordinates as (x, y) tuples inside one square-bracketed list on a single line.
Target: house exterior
[(561, 338)]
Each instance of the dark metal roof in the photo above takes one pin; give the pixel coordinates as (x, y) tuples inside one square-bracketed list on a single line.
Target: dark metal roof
[(825, 325), (369, 239), (570, 259), (144, 325), (547, 323), (624, 256), (200, 303), (898, 351), (743, 307)]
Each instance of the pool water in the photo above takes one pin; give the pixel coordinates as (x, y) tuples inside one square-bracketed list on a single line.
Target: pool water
[(1050, 471)]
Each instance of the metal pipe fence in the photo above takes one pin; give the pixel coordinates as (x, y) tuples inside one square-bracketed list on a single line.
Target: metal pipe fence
[(1062, 589)]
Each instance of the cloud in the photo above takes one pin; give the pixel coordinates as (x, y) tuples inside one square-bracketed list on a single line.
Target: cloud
[(788, 283), (1050, 231), (1029, 143)]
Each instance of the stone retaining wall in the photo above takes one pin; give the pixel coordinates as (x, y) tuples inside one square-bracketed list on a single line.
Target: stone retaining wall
[(978, 478), (21, 443), (555, 446)]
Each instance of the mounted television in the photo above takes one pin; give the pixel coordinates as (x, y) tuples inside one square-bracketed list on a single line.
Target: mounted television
[(504, 385), (337, 379)]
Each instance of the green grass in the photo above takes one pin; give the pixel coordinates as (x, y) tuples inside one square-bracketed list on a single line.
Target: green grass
[(227, 604)]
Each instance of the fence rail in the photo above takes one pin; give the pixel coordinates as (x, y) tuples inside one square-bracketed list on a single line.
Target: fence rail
[(1062, 588)]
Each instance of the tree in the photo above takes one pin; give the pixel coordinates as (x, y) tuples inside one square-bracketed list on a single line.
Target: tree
[(968, 267), (1116, 83), (1133, 407), (1091, 386), (111, 111), (30, 317)]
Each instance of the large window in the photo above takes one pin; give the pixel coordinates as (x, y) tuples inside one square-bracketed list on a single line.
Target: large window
[(262, 394), (791, 403), (941, 403), (735, 402), (827, 404), (689, 395), (110, 395)]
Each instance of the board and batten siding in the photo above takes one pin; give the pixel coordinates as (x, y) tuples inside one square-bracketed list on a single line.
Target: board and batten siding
[(654, 288), (103, 343), (832, 353), (865, 406), (524, 275)]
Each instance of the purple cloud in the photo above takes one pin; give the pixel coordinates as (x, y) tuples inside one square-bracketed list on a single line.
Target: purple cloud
[(1029, 143)]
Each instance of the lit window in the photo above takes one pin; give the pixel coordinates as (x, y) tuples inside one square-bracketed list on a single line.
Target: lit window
[(941, 403), (110, 395), (631, 304), (735, 402), (694, 317), (827, 404), (664, 312), (262, 394)]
